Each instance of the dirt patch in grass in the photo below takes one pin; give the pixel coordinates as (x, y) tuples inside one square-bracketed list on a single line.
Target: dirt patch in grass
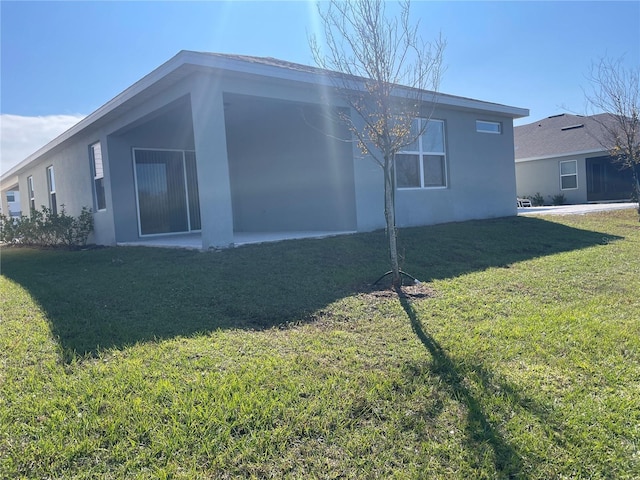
[(416, 291)]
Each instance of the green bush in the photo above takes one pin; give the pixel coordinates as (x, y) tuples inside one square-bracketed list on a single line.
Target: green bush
[(47, 229), (537, 200), (558, 199)]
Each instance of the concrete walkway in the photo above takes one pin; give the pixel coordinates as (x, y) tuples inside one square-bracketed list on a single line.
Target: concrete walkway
[(575, 209)]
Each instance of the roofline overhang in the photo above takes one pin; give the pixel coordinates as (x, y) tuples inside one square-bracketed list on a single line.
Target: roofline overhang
[(561, 155), (239, 65), (324, 78), (9, 182)]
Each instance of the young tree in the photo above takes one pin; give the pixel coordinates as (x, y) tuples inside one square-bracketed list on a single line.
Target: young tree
[(615, 91), (389, 78)]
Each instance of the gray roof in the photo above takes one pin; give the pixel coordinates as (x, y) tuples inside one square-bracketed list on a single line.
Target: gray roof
[(560, 135)]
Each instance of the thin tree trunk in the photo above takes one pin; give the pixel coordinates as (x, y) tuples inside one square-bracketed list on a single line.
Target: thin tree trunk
[(635, 170), (390, 216)]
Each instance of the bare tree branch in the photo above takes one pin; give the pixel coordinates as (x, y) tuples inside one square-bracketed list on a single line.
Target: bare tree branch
[(615, 90), (389, 78)]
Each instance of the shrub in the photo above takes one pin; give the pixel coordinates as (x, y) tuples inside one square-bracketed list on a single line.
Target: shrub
[(47, 229), (537, 200), (558, 199)]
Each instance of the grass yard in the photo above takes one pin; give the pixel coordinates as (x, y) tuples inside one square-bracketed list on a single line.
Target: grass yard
[(519, 360)]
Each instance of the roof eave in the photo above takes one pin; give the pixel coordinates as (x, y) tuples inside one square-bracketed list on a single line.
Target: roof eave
[(142, 84), (187, 57), (317, 77), (561, 155), (8, 182)]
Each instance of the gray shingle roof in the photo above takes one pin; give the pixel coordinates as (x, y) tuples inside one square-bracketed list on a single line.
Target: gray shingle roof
[(560, 135)]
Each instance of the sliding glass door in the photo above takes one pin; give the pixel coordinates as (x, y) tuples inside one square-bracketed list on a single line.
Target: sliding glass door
[(166, 191)]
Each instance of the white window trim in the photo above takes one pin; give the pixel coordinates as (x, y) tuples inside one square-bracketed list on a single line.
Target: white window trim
[(575, 162), (421, 153), (32, 192), (51, 187), (480, 123), (95, 175), (51, 180)]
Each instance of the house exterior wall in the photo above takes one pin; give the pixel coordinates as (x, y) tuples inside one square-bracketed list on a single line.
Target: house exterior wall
[(73, 182), (543, 176), (480, 178), (287, 175), (328, 185), (137, 127)]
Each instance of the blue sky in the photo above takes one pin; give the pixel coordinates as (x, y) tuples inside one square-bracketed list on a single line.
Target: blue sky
[(63, 60)]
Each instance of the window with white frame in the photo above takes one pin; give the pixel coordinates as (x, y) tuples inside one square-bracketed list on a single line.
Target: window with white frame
[(569, 175), (11, 197), (422, 164), (51, 185), (483, 126), (98, 176), (31, 192)]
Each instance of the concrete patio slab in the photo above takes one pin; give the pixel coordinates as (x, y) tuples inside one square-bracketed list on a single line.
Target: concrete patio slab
[(194, 240)]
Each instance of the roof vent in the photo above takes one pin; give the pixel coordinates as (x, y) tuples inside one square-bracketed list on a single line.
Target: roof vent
[(572, 127), (555, 116)]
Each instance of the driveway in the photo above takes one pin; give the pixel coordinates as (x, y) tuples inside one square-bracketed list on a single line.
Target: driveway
[(574, 209)]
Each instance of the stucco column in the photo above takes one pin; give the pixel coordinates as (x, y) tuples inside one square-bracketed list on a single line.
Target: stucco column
[(211, 159)]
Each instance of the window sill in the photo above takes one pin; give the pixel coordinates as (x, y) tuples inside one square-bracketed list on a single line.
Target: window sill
[(404, 189)]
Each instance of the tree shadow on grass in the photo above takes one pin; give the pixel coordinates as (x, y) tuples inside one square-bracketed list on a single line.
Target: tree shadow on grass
[(115, 297), (480, 433)]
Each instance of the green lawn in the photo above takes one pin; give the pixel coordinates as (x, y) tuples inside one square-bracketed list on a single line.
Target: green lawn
[(519, 359)]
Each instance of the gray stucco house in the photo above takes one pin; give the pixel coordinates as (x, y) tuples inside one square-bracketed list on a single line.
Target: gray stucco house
[(221, 147), (564, 154)]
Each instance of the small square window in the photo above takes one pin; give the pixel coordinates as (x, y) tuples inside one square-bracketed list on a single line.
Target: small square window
[(434, 175), (407, 171), (568, 168), (569, 182), (433, 138)]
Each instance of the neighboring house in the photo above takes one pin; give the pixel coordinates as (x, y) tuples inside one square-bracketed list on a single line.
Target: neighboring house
[(12, 206), (564, 154), (227, 145)]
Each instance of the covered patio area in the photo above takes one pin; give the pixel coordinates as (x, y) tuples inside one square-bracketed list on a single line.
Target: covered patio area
[(281, 175)]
